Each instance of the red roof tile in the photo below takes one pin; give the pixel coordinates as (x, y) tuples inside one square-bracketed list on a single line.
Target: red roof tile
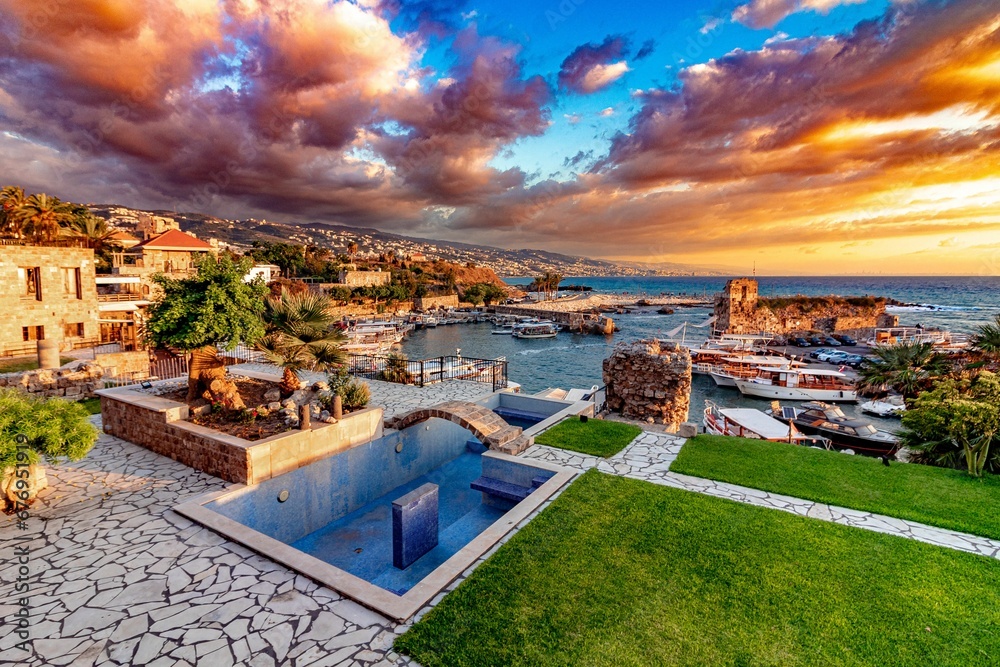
[(174, 239)]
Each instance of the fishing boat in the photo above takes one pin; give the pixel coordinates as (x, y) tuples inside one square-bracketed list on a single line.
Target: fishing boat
[(732, 368), (535, 330), (502, 330), (799, 384), (755, 425), (829, 421)]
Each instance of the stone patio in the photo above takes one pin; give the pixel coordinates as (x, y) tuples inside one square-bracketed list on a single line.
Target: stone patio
[(120, 579)]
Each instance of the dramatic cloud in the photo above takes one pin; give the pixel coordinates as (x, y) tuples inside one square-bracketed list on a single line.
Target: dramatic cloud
[(768, 13), (592, 67)]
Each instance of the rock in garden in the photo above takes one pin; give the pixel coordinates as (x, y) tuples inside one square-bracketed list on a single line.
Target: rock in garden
[(272, 395)]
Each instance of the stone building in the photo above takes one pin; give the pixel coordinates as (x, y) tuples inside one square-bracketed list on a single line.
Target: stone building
[(364, 278), (151, 226), (172, 253), (741, 310), (47, 293)]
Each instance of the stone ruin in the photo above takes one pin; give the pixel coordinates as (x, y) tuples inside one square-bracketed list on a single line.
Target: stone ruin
[(78, 381), (649, 380)]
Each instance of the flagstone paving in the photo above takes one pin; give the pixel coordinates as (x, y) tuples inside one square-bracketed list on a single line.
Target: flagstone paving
[(120, 579)]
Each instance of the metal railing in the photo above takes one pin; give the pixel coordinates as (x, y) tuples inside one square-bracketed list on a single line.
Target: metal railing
[(427, 371), (161, 369), (122, 296)]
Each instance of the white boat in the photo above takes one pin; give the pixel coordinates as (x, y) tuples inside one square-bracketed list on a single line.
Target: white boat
[(752, 424), (943, 341), (891, 406), (430, 321), (502, 331), (800, 384), (731, 368), (535, 330)]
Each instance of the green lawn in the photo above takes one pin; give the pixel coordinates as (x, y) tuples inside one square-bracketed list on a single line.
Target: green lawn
[(92, 405), (20, 364), (936, 496), (596, 437), (619, 572)]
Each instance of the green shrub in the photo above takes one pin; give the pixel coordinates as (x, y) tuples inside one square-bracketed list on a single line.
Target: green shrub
[(55, 428), (395, 370), (354, 395)]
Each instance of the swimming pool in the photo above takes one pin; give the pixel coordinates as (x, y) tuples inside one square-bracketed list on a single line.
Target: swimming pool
[(333, 519)]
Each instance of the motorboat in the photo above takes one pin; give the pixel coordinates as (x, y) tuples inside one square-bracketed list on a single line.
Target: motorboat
[(829, 421), (755, 425), (502, 331), (890, 406), (535, 330), (799, 384), (731, 368)]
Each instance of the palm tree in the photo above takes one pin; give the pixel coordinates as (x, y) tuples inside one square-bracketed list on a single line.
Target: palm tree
[(352, 249), (92, 230), (908, 368), (987, 339), (43, 216), (300, 335), (12, 198)]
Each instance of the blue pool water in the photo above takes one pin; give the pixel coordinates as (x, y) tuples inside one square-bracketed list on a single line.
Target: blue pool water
[(361, 542), (519, 417)]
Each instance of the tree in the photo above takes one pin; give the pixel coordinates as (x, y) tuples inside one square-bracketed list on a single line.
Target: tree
[(956, 422), (352, 249), (12, 198), (986, 341), (197, 314), (92, 230), (548, 282), (290, 258), (473, 294), (42, 217), (339, 293), (907, 368), (300, 336)]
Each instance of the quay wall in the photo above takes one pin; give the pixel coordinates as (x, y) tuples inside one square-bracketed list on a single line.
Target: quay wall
[(584, 322), (432, 302)]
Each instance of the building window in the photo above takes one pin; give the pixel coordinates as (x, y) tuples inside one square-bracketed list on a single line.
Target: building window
[(72, 284), (30, 278), (33, 333), (73, 329)]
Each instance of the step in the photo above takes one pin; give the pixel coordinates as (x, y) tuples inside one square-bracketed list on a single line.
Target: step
[(501, 489)]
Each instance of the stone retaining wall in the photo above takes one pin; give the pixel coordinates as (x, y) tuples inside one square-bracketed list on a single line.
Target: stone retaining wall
[(432, 302), (161, 425), (649, 380), (78, 382)]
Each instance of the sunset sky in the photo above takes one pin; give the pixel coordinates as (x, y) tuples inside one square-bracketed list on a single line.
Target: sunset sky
[(803, 136)]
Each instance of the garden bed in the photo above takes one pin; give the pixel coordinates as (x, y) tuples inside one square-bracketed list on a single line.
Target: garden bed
[(936, 496), (623, 572)]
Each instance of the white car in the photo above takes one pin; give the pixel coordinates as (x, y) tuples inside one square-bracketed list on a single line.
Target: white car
[(832, 357)]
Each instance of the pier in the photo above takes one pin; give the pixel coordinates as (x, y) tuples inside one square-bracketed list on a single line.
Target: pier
[(576, 322)]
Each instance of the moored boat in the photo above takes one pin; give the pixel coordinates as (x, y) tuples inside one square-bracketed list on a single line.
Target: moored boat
[(799, 384), (753, 424), (535, 330), (829, 421)]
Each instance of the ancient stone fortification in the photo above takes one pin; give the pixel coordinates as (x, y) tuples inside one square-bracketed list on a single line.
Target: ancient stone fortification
[(77, 382), (740, 310), (647, 380), (432, 302), (365, 278)]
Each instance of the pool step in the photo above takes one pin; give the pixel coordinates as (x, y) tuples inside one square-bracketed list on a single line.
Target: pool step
[(501, 489), (538, 481)]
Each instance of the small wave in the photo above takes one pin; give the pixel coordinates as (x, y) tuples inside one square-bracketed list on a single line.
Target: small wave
[(558, 348), (931, 308)]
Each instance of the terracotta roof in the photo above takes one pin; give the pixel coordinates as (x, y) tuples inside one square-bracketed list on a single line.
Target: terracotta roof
[(123, 236), (174, 239)]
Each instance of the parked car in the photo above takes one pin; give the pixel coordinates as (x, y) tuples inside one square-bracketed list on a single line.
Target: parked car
[(853, 360), (830, 340), (818, 351), (834, 357), (846, 340), (817, 340), (801, 342)]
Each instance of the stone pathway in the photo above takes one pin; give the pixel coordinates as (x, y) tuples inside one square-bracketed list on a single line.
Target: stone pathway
[(649, 456), (397, 399)]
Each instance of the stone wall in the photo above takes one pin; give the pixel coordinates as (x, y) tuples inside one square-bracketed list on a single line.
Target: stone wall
[(649, 380), (161, 425), (77, 382), (432, 302), (59, 313), (124, 363), (740, 310), (365, 278)]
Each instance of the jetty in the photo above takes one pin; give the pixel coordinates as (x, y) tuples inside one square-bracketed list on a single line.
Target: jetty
[(576, 322)]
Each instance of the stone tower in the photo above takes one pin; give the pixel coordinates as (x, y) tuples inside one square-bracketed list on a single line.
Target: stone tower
[(737, 306)]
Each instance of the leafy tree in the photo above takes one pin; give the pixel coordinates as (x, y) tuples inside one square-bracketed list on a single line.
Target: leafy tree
[(352, 249), (473, 294), (907, 368), (300, 336), (957, 422), (986, 341), (483, 293), (12, 198), (42, 217), (214, 307), (339, 293), (290, 258)]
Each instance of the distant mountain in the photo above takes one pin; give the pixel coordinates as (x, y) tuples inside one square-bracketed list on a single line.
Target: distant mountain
[(241, 234)]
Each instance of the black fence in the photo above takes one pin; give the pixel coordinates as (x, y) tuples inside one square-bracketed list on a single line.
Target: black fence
[(426, 371)]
